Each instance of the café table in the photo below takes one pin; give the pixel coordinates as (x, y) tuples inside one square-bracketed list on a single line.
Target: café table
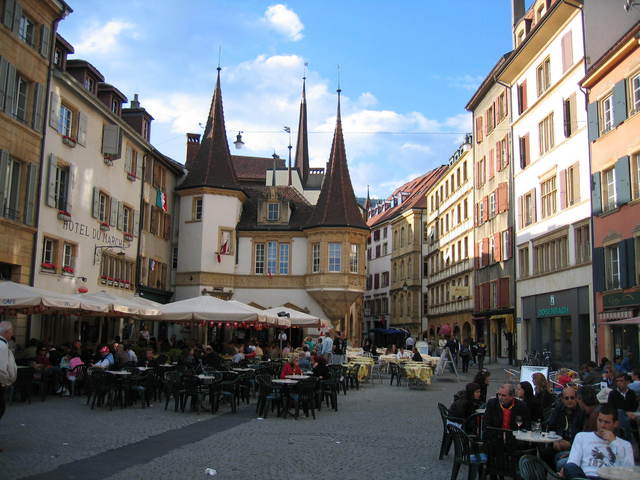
[(118, 372), (481, 410), (418, 371), (144, 369), (242, 370), (284, 383), (297, 377), (620, 473)]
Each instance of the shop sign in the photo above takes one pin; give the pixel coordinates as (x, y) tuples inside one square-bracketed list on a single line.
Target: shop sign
[(94, 233), (621, 299), (553, 311)]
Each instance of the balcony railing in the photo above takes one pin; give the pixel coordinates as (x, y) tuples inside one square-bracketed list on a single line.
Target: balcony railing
[(451, 307), (450, 271)]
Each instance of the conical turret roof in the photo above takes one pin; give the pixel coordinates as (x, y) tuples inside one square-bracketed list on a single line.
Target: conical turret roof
[(302, 145), (212, 166), (337, 205)]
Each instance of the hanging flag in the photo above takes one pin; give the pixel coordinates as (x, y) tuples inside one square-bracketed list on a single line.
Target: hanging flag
[(223, 251), (161, 201)]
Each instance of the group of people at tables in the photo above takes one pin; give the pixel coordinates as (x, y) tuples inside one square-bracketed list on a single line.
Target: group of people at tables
[(589, 433)]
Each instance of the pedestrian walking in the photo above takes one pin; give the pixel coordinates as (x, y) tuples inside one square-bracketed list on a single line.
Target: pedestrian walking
[(339, 349), (8, 368), (465, 356), (481, 351)]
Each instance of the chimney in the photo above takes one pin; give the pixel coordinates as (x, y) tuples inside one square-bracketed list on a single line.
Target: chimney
[(517, 11), (135, 103), (193, 145)]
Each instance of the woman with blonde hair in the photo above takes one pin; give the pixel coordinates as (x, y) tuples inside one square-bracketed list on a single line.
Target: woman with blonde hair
[(542, 398)]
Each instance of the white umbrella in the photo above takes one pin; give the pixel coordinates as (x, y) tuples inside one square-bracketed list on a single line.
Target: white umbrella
[(263, 317), (298, 319), (124, 305), (207, 308), (16, 296)]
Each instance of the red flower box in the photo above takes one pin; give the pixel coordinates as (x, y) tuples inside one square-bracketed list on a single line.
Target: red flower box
[(48, 266), (67, 269), (70, 141)]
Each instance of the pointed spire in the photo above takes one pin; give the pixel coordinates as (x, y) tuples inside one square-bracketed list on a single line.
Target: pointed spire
[(367, 202), (212, 166), (337, 205), (302, 145)]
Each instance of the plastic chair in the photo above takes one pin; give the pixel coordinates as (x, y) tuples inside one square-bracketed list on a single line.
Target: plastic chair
[(533, 468), (465, 454), (445, 445)]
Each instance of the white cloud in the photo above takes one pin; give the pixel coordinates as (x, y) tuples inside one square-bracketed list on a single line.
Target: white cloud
[(284, 21), (385, 148), (466, 81), (103, 39)]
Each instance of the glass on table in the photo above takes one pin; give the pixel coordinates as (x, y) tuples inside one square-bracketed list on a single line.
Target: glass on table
[(519, 422)]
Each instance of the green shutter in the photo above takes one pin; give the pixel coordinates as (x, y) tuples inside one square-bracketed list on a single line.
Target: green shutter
[(631, 261), (622, 265), (32, 194), (17, 15), (593, 121), (95, 211), (51, 181), (71, 186), (136, 222), (9, 8), (623, 181), (10, 91), (619, 102), (120, 224), (45, 40), (4, 70), (596, 194), (54, 110), (113, 213), (111, 140), (82, 128), (4, 170), (38, 107), (598, 269)]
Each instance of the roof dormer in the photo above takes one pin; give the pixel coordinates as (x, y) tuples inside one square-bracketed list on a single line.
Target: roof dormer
[(61, 50), (139, 118), (111, 97), (85, 73)]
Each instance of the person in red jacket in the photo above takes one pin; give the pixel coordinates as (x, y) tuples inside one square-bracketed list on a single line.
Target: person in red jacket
[(292, 367)]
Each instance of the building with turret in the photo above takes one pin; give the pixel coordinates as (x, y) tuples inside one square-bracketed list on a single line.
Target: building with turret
[(267, 234)]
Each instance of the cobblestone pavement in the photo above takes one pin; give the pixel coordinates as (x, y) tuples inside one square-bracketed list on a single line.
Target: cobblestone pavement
[(379, 432)]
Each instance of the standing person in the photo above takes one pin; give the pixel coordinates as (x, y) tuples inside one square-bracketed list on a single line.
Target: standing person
[(473, 346), (410, 342), (453, 346), (327, 348), (481, 351), (465, 355), (339, 349), (593, 450), (8, 368)]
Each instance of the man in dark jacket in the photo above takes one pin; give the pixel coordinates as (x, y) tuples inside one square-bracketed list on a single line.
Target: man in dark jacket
[(624, 400), (567, 419), (503, 412)]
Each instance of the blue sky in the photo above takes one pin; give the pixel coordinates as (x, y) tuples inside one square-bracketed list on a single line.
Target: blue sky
[(406, 67)]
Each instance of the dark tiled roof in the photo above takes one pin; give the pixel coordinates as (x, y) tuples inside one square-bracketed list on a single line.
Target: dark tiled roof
[(300, 209), (337, 206), (416, 189), (302, 145), (254, 168), (212, 166)]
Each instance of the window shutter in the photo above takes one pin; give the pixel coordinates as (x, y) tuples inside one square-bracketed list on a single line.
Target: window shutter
[(491, 163), (573, 113), (71, 186), (95, 211), (32, 194), (51, 181), (4, 169), (576, 182), (563, 189), (479, 129), (567, 51), (619, 102), (476, 298), (139, 167), (497, 251), (17, 14), (54, 110), (4, 68), (38, 107), (113, 212), (136, 222), (128, 160), (507, 150), (524, 96), (596, 195), (485, 251), (534, 200), (9, 8), (486, 296), (503, 292), (10, 91), (485, 205), (631, 262), (593, 121), (623, 181), (82, 128), (510, 243), (520, 208), (598, 269), (111, 140), (476, 257), (167, 227), (503, 201), (622, 264), (120, 224), (45, 40)]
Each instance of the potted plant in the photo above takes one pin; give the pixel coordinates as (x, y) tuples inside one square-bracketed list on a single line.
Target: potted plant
[(103, 279), (64, 215), (131, 176), (69, 141), (104, 226), (68, 270), (48, 266)]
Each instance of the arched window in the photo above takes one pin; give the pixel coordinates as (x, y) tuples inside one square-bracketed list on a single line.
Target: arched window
[(395, 272), (410, 234), (409, 269), (406, 306), (402, 238), (401, 269)]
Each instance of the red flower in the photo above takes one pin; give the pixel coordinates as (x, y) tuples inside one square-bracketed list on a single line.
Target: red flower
[(110, 279), (103, 277), (67, 269), (50, 266), (64, 212)]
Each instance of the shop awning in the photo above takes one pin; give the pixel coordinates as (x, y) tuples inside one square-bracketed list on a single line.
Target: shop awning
[(296, 318), (508, 320), (626, 321)]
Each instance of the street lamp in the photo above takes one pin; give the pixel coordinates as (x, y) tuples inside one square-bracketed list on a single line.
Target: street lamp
[(98, 248), (239, 143), (405, 287)]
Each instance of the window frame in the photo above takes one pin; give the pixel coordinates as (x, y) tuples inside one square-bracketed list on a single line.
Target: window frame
[(104, 210), (634, 166), (27, 30), (68, 261), (543, 76), (260, 258), (546, 137), (62, 186), (609, 194), (273, 211), (634, 93), (197, 209), (548, 196), (334, 257), (354, 260), (606, 113), (49, 254), (65, 120), (523, 261), (612, 276)]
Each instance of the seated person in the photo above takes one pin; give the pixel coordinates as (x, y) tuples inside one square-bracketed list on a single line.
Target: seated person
[(524, 393), (305, 360), (106, 358), (320, 368), (635, 384), (122, 357), (292, 367), (590, 373), (211, 358), (588, 403), (593, 450), (566, 420), (624, 400), (465, 403), (131, 354), (503, 411), (416, 355), (149, 359), (42, 365), (402, 353), (542, 398)]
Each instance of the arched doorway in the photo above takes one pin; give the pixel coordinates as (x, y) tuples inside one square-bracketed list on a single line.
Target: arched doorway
[(466, 330), (456, 332)]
